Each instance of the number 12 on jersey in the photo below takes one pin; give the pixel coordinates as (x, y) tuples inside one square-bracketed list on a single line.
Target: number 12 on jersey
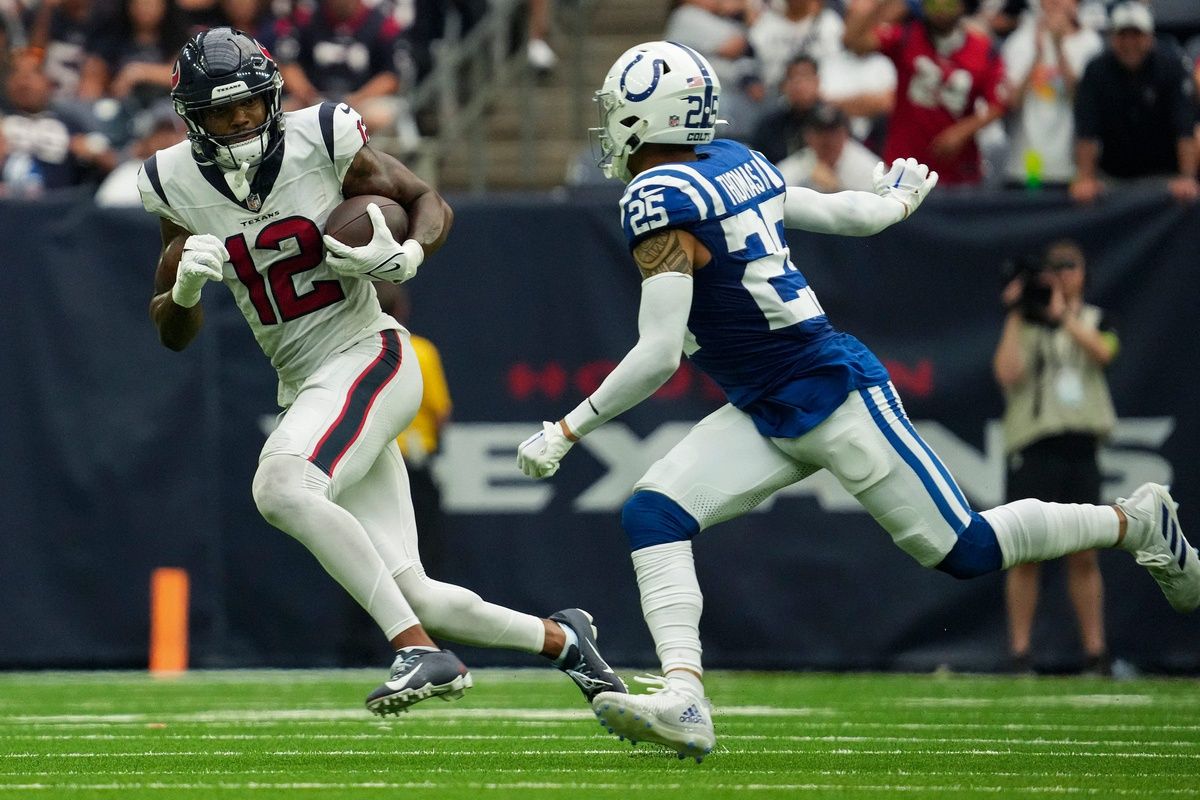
[(282, 273)]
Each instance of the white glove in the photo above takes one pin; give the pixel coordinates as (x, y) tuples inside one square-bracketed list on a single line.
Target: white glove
[(383, 257), (906, 182), (203, 260), (538, 456)]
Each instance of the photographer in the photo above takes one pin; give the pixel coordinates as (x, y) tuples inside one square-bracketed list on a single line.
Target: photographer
[(1050, 363)]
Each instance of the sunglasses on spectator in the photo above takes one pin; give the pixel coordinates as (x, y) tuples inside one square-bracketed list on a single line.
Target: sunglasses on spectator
[(1062, 264)]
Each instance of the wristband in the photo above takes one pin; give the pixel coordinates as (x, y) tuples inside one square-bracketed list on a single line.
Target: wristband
[(583, 419), (185, 298), (414, 252)]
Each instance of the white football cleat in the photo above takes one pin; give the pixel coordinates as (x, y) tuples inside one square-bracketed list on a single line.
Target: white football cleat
[(1160, 546), (665, 716)]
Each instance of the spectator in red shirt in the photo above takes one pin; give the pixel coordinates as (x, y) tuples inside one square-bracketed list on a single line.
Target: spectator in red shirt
[(945, 71)]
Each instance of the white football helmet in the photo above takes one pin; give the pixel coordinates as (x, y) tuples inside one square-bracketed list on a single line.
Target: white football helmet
[(659, 92)]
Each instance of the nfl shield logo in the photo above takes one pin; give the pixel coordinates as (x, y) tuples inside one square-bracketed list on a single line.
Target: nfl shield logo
[(673, 120), (253, 202)]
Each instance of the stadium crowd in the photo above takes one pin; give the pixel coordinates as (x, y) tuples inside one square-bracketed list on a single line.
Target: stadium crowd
[(1022, 93)]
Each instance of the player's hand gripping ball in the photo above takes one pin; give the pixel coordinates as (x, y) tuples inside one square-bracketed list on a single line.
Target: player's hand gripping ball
[(366, 236)]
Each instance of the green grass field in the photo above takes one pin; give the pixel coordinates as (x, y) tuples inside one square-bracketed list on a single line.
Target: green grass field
[(527, 734)]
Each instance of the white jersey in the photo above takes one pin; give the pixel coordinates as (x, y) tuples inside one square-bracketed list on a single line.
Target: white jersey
[(299, 309)]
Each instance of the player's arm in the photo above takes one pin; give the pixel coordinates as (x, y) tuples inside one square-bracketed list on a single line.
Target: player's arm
[(429, 216), (177, 323), (666, 261), (898, 193)]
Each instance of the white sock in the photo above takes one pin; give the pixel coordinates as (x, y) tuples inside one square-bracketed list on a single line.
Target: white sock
[(686, 682), (452, 612), (671, 603), (1032, 530)]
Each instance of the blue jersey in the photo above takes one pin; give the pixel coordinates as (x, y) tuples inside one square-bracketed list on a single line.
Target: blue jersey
[(755, 325)]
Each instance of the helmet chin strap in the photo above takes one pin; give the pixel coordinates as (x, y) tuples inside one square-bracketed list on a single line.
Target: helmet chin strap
[(238, 183), (618, 168)]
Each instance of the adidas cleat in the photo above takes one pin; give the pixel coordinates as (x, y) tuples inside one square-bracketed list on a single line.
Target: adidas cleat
[(583, 662), (1161, 547), (665, 716), (419, 673)]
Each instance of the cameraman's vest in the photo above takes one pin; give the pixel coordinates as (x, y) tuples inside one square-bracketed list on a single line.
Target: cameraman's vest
[(1064, 390)]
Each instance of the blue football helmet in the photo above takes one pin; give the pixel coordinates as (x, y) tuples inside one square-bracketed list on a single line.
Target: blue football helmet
[(220, 66)]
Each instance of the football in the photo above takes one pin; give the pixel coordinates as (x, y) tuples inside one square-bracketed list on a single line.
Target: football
[(350, 224)]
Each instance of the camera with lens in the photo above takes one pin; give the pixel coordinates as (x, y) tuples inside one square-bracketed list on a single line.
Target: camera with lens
[(1036, 291)]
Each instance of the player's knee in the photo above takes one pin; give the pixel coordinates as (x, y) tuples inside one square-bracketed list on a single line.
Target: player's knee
[(278, 489), (651, 518), (977, 551)]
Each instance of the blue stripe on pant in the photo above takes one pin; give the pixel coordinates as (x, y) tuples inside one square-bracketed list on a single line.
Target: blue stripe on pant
[(976, 550), (946, 505)]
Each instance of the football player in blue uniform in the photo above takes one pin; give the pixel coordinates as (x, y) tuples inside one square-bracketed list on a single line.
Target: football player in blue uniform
[(243, 202), (705, 222)]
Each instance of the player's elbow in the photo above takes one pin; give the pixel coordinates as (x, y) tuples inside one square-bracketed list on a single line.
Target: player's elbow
[(173, 343), (174, 338), (444, 233), (662, 362), (175, 330)]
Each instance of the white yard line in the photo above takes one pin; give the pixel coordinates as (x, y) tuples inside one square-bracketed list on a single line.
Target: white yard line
[(641, 786), (400, 736), (360, 715), (623, 770), (411, 752)]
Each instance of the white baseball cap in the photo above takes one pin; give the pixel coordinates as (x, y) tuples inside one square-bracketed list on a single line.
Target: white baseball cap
[(1131, 14)]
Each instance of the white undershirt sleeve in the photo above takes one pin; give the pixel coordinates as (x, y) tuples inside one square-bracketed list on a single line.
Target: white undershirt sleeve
[(662, 324), (849, 213)]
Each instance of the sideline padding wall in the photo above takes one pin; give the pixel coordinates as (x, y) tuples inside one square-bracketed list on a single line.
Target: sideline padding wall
[(124, 456)]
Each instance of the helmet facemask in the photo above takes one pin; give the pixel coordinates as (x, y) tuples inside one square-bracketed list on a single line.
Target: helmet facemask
[(251, 147), (224, 66), (656, 93), (617, 138)]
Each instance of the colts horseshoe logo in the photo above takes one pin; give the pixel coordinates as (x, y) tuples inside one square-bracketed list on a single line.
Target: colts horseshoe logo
[(636, 97)]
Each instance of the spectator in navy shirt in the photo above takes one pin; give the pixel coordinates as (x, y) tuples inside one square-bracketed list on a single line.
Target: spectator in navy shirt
[(60, 31), (46, 149), (781, 132), (253, 17), (132, 58), (344, 51), (1134, 113)]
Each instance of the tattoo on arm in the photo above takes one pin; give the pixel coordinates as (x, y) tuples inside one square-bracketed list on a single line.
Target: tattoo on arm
[(663, 252)]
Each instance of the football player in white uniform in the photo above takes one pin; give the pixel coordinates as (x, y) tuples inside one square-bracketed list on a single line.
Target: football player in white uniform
[(243, 202), (705, 222)]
